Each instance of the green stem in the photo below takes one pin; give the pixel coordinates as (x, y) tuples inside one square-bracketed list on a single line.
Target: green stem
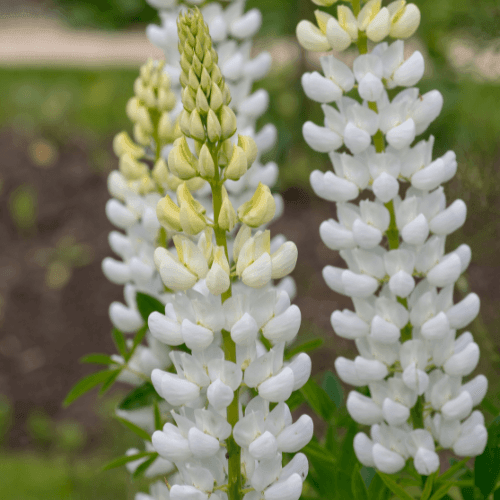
[(356, 7), (417, 414), (233, 450), (392, 231), (362, 42)]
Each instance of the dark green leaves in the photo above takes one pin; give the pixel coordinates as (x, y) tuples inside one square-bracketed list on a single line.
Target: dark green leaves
[(119, 340), (118, 462), (147, 304), (487, 465), (135, 429), (144, 395), (309, 346), (332, 386), (394, 487), (318, 400), (86, 384), (97, 359), (358, 485)]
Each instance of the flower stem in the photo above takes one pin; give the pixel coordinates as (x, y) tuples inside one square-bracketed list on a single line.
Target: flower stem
[(233, 450)]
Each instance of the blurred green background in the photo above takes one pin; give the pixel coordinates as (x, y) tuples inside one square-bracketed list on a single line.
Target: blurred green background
[(56, 127)]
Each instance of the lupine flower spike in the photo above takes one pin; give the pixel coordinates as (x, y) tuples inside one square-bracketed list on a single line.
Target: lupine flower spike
[(222, 435), (391, 228)]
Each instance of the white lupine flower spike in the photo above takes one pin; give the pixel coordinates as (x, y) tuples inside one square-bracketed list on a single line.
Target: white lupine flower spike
[(412, 354)]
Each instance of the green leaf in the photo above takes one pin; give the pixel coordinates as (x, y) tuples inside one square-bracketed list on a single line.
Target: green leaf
[(487, 470), (318, 454), (348, 460), (110, 381), (377, 489), (442, 491), (358, 485), (452, 470), (496, 495), (139, 336), (134, 428), (308, 346), (118, 462), (494, 433), (86, 384), (394, 487), (158, 421), (98, 359), (120, 343), (295, 400), (147, 304), (144, 466), (144, 395), (324, 464), (318, 400), (332, 386), (427, 491)]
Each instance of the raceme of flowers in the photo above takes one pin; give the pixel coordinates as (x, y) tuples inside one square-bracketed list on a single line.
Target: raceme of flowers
[(229, 424), (391, 228)]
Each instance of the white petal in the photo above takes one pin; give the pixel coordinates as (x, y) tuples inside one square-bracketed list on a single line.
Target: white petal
[(202, 445), (385, 187), (461, 314), (386, 460), (426, 461), (196, 337), (363, 410), (124, 318), (277, 388), (356, 139), (164, 329), (401, 136), (320, 89), (472, 443), (411, 71), (296, 436)]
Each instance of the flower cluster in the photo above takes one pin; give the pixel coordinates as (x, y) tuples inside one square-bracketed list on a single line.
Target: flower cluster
[(412, 355), (230, 424)]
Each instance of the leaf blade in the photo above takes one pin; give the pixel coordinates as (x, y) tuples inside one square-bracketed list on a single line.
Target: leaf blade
[(84, 385), (135, 428), (394, 487)]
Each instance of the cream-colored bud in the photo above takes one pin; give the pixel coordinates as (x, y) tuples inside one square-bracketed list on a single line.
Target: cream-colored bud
[(245, 256), (131, 109), (347, 21), (173, 274), (258, 274), (214, 129), (324, 3), (145, 184), (311, 37), (218, 280), (259, 209), (205, 81), (215, 97), (146, 70), (206, 166), (194, 184), (196, 65), (284, 260), (227, 215), (262, 243), (368, 13), (168, 214), (180, 160), (379, 27), (405, 19), (123, 144), (208, 62), (237, 166), (226, 94), (196, 129), (160, 172), (248, 145), (166, 99), (338, 38), (165, 127), (227, 122), (216, 75), (205, 244), (191, 256), (190, 216), (188, 97), (184, 122), (202, 102), (144, 120), (244, 234), (138, 87), (225, 152), (131, 168), (193, 81), (322, 19), (148, 96), (141, 136)]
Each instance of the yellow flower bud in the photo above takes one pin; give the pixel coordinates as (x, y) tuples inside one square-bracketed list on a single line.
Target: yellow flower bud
[(216, 75), (185, 64), (168, 214), (123, 144), (208, 61), (218, 280), (259, 209), (368, 13), (215, 97), (227, 215), (196, 129), (166, 100), (188, 98), (379, 27), (237, 164), (201, 102), (181, 162), (311, 37), (226, 94), (205, 244), (165, 127), (148, 96), (248, 145), (131, 168), (193, 81), (206, 166), (145, 184), (205, 81), (214, 129), (184, 122), (322, 19), (190, 256), (144, 120), (262, 243), (227, 122), (324, 3), (190, 216), (347, 21), (244, 234), (160, 172), (404, 19), (131, 109), (141, 136), (194, 184), (197, 66)]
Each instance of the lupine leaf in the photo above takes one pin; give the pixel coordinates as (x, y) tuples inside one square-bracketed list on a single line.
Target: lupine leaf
[(332, 386), (86, 384), (318, 400), (139, 336), (295, 400), (134, 428), (487, 470), (120, 343), (358, 485), (442, 491), (324, 464), (144, 466), (158, 422), (308, 346), (317, 453), (427, 491), (118, 462), (110, 381), (452, 470), (395, 488), (377, 489), (144, 395), (147, 304), (496, 495), (98, 359)]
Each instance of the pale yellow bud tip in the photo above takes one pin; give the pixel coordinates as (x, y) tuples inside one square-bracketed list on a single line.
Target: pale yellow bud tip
[(311, 37), (259, 209)]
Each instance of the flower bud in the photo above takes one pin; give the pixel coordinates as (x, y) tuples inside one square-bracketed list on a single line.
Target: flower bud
[(196, 129), (173, 274), (248, 145), (283, 260), (181, 161), (404, 19), (259, 209), (258, 274), (237, 166), (206, 165), (411, 71), (214, 129), (144, 120), (227, 215), (217, 279), (227, 122), (123, 144), (379, 26), (216, 99), (245, 330), (165, 127), (312, 38), (168, 214), (191, 220), (337, 37)]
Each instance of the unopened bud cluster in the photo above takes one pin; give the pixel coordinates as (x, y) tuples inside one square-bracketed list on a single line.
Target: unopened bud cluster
[(229, 425), (391, 227)]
